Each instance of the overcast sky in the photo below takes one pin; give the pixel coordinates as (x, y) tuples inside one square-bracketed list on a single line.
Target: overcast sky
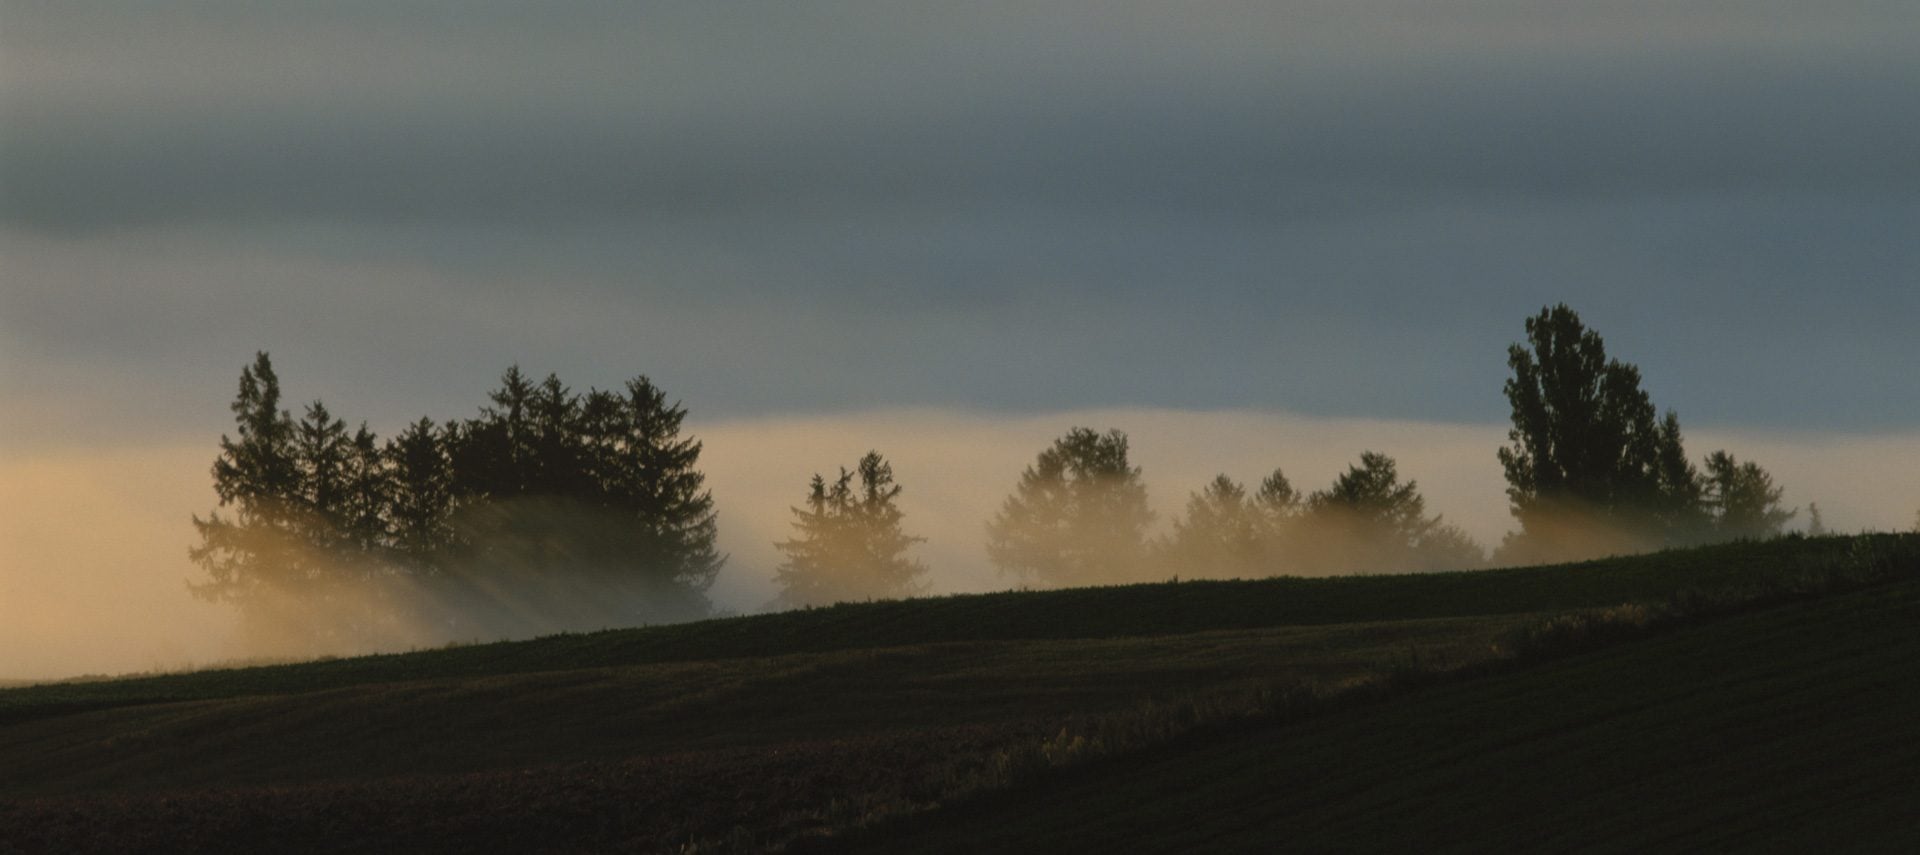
[(1339, 208), (1315, 211)]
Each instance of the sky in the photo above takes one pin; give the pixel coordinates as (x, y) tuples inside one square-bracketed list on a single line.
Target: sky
[(1243, 231)]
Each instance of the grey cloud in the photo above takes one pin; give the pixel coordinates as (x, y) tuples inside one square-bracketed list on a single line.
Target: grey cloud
[(1340, 208), (668, 111), (1489, 133)]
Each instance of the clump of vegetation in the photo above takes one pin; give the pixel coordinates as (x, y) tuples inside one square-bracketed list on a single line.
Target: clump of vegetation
[(1368, 521), (549, 510)]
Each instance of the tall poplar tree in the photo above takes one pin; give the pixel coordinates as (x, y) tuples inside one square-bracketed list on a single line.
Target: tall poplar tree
[(1588, 451)]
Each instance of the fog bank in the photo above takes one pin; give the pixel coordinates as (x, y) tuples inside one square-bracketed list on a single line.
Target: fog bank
[(93, 541)]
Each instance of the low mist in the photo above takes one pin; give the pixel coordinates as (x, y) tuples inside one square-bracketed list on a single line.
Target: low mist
[(94, 577)]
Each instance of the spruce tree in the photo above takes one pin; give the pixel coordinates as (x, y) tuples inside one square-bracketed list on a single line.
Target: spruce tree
[(421, 499), (325, 457), (368, 509), (1224, 534), (1369, 521), (492, 455), (651, 472), (257, 477), (1745, 502), (848, 542), (256, 555), (591, 508)]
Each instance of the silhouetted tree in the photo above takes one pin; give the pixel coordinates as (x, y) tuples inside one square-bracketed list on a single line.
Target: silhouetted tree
[(367, 509), (590, 509), (1679, 503), (258, 477), (848, 543), (547, 511), (1369, 521), (323, 449), (1281, 508), (652, 473), (421, 501), (307, 521), (1078, 515), (1588, 453), (492, 456), (1225, 534), (1744, 500)]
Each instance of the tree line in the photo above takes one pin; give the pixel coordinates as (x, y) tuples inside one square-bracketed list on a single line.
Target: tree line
[(552, 509), (1592, 469)]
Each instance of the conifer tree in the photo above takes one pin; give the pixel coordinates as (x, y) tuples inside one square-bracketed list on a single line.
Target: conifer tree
[(257, 477), (492, 455), (1744, 500), (1224, 534), (1368, 521), (848, 541), (1280, 508), (592, 505), (549, 510), (652, 473), (421, 501), (325, 456), (367, 510)]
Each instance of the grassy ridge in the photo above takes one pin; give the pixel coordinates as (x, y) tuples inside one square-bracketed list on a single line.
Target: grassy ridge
[(655, 739), (1783, 729), (461, 725), (743, 754), (1134, 610)]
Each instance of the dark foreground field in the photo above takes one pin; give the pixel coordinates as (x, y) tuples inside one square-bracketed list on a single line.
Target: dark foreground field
[(1767, 697)]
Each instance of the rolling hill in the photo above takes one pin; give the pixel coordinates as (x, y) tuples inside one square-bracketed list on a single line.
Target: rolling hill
[(1378, 712)]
